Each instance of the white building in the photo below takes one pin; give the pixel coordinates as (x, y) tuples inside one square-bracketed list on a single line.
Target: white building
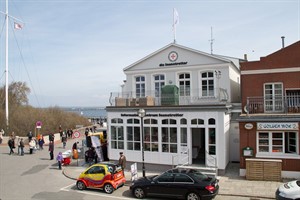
[(188, 96)]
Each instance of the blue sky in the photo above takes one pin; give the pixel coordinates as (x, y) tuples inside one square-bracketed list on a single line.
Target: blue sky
[(73, 52)]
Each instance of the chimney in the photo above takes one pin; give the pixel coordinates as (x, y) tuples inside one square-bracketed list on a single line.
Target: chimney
[(282, 38), (245, 57)]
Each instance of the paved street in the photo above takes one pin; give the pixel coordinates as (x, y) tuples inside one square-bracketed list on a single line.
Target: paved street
[(35, 176)]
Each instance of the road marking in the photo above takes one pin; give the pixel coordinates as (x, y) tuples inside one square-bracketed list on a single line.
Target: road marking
[(66, 188)]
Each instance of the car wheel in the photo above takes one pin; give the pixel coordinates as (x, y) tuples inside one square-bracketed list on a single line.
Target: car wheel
[(108, 188), (80, 185), (139, 193), (192, 196)]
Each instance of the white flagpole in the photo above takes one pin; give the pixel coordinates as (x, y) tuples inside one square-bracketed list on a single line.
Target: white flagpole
[(175, 22), (6, 66)]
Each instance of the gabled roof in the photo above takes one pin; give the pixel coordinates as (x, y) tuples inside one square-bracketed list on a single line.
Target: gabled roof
[(220, 58)]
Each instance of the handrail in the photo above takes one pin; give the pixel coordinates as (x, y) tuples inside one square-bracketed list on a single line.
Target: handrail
[(177, 155), (209, 160)]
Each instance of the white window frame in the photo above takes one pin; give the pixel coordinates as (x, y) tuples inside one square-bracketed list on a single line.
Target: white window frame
[(275, 103), (270, 145)]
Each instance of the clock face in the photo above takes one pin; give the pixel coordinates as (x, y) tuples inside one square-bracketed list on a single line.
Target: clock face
[(173, 56)]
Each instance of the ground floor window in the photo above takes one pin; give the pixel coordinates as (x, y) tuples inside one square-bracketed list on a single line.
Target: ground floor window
[(212, 141), (151, 138), (169, 139), (133, 138), (277, 142), (117, 137)]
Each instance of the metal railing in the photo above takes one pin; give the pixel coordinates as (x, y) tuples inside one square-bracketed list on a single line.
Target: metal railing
[(211, 162), (278, 104), (152, 98)]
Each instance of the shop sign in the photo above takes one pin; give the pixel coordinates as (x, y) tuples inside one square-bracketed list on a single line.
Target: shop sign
[(248, 126), (277, 126)]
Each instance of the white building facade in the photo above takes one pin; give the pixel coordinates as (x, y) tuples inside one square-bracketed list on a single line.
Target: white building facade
[(188, 97)]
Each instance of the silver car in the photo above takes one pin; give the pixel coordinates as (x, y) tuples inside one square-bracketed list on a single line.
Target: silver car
[(289, 190)]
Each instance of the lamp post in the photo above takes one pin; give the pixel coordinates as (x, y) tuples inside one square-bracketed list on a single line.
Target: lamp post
[(141, 114)]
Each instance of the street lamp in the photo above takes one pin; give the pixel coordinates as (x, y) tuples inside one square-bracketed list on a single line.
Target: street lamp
[(141, 114)]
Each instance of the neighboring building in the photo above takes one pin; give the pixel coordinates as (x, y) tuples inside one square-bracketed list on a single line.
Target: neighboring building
[(269, 124), (189, 97)]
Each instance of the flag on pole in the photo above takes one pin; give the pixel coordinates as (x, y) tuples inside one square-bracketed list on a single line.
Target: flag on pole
[(175, 18), (18, 26), (175, 22)]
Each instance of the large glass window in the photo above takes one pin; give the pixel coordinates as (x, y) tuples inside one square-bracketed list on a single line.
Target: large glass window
[(207, 80), (151, 135), (133, 135), (169, 136), (140, 86), (277, 142), (273, 97), (117, 137), (184, 84)]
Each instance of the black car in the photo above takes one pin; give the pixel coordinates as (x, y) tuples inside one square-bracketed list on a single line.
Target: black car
[(179, 183)]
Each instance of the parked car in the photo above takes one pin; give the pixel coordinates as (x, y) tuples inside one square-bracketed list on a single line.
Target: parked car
[(179, 183), (288, 191), (106, 176)]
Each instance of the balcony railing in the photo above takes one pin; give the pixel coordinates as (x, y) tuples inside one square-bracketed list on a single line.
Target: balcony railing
[(278, 104), (152, 98)]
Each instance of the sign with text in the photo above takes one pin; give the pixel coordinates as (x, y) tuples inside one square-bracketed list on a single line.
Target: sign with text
[(277, 126)]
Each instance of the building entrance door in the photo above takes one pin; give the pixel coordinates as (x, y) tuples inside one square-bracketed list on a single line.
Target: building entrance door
[(198, 146)]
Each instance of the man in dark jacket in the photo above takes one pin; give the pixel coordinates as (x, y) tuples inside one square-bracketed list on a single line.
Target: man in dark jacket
[(11, 144)]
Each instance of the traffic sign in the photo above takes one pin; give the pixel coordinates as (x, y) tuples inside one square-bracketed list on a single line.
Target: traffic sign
[(76, 134), (38, 124)]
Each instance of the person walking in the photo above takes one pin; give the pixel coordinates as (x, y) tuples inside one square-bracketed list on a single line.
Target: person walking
[(41, 142), (29, 135), (122, 161), (22, 145), (1, 135), (51, 150), (32, 145), (59, 159), (11, 145), (64, 139)]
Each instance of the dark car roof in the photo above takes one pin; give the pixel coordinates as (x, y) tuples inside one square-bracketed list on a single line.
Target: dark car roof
[(183, 171)]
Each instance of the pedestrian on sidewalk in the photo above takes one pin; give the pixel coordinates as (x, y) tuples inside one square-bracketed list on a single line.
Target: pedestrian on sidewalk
[(1, 135), (11, 145), (122, 161), (41, 142), (22, 145), (59, 159), (64, 139), (51, 150), (32, 145), (29, 135)]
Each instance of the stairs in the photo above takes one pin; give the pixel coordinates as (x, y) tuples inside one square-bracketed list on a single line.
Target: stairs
[(210, 171)]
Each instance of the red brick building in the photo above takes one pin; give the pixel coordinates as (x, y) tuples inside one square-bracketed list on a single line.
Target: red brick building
[(269, 123)]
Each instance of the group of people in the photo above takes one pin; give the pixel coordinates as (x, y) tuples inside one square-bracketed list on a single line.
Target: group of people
[(38, 142)]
